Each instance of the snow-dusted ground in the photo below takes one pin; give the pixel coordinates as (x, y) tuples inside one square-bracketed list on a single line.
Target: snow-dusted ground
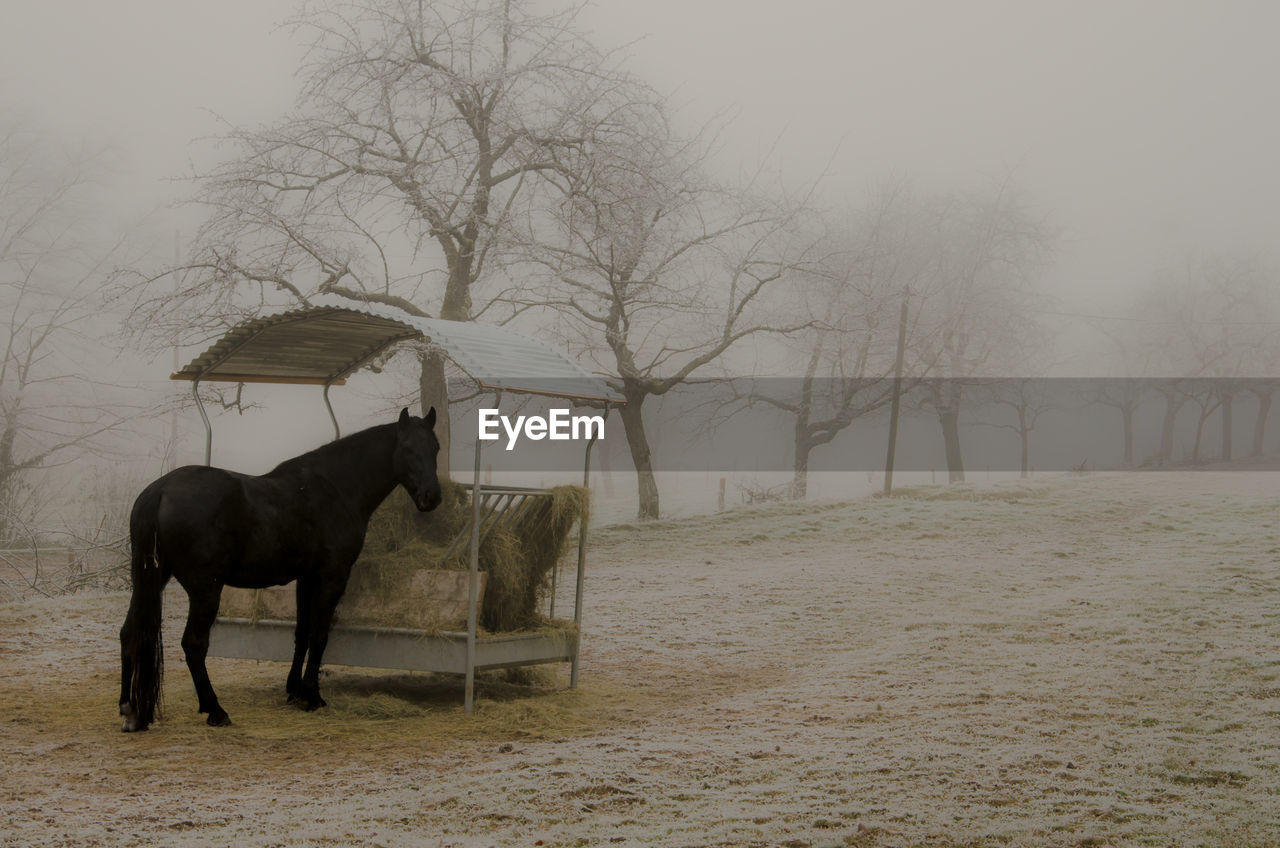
[(689, 493), (1075, 661)]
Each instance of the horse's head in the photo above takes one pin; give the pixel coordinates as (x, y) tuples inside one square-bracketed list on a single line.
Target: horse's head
[(414, 459)]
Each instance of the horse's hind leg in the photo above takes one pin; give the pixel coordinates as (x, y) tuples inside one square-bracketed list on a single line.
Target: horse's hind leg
[(127, 638), (126, 671), (301, 633), (202, 610)]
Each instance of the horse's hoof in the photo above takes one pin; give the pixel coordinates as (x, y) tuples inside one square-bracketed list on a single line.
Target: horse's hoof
[(313, 704), (218, 719), (131, 723)]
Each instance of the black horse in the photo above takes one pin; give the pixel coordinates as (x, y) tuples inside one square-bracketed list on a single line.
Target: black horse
[(304, 521)]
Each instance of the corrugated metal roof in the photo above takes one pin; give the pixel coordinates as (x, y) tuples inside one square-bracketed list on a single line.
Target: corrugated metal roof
[(327, 342)]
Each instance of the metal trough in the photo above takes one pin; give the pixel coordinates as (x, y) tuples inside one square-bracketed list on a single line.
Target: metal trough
[(394, 647)]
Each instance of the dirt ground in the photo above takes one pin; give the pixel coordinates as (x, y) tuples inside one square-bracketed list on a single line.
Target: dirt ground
[(1074, 661)]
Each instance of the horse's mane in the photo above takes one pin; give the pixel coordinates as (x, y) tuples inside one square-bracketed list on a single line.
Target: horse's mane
[(342, 446)]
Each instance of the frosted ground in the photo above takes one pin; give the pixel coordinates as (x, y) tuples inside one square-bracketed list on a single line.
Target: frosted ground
[(685, 494), (1069, 661)]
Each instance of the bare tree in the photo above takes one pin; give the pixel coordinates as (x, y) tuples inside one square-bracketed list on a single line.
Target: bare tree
[(1251, 319), (1124, 394), (1214, 325), (1029, 399), (51, 405), (987, 246), (1207, 398), (419, 131), (657, 269), (1127, 361), (852, 302)]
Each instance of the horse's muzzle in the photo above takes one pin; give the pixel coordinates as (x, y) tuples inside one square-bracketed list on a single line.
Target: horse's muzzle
[(427, 501)]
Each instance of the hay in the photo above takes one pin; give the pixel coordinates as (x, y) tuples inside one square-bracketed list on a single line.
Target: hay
[(388, 586), (520, 557)]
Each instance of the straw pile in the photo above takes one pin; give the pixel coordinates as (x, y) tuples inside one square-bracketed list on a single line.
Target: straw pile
[(394, 583)]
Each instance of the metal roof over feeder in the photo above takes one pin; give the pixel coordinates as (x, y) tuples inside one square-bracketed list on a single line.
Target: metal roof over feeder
[(325, 343)]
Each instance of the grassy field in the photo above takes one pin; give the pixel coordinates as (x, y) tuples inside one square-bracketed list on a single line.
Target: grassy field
[(1072, 661)]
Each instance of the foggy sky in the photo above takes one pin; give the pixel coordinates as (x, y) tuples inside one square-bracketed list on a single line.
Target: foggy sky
[(1141, 129)]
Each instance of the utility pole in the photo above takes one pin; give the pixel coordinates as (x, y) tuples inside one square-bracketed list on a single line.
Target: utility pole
[(897, 393)]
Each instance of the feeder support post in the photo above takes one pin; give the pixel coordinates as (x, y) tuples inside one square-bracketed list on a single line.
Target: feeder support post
[(204, 416), (337, 433), (582, 559), (473, 588)]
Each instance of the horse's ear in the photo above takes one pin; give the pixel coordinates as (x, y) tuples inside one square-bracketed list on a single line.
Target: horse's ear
[(404, 418), (431, 417)]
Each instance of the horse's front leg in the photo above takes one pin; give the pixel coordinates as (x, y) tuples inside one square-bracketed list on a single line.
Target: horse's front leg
[(324, 599), (301, 635), (202, 610)]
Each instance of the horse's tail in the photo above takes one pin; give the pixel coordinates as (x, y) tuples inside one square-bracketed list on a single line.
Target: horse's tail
[(141, 648)]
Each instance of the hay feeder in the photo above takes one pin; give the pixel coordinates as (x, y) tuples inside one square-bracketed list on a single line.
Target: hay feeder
[(322, 345)]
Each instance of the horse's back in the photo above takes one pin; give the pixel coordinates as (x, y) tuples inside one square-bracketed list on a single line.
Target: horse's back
[(192, 506), (247, 531), (196, 492)]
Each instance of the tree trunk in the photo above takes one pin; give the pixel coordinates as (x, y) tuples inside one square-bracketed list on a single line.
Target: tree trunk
[(433, 390), (1260, 423), (1227, 398), (800, 483), (1024, 434), (1172, 404), (949, 418), (803, 444), (638, 442), (7, 482), (1195, 448), (9, 479), (432, 385), (1126, 412), (457, 291)]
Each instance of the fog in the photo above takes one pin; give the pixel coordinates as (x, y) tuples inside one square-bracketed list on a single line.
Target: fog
[(1141, 135), (1142, 130)]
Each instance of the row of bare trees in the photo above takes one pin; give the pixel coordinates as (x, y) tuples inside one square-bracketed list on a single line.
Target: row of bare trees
[(950, 276), (485, 159), (1214, 322)]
